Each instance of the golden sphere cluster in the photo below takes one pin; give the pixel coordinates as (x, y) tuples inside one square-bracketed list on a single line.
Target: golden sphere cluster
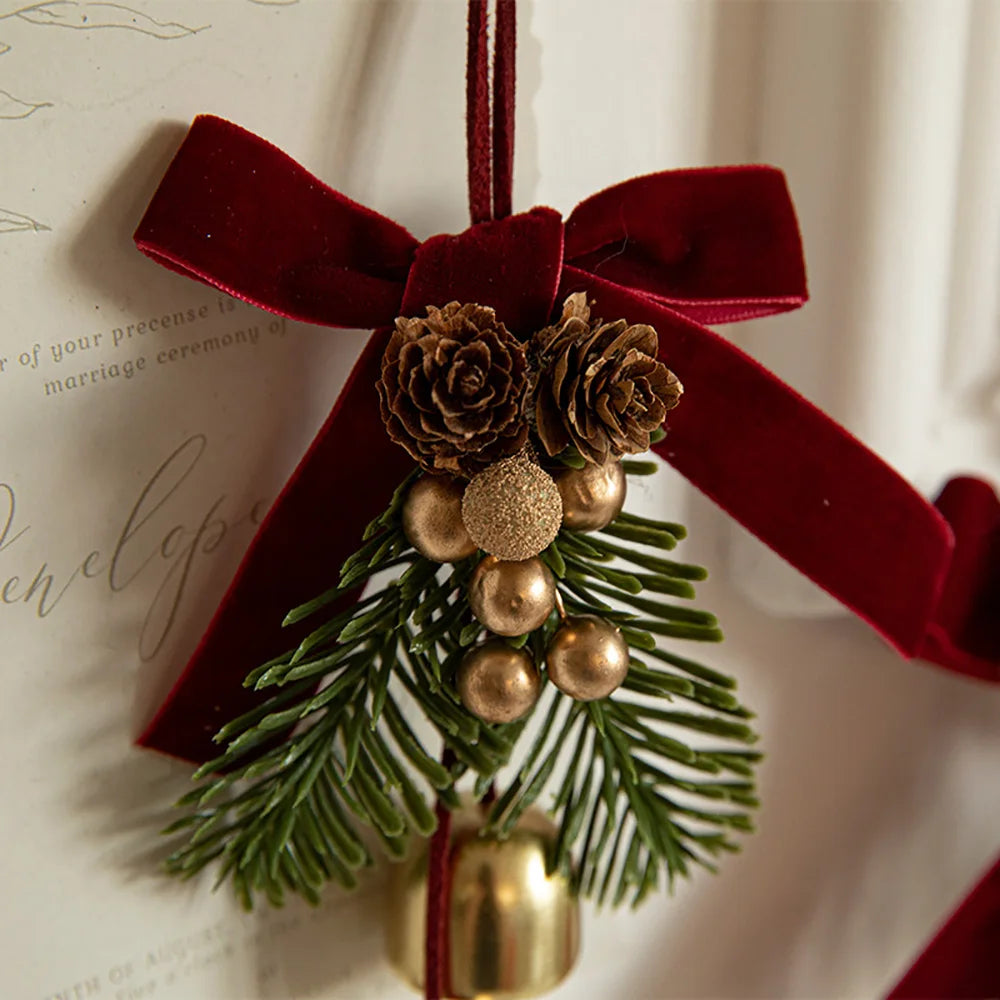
[(512, 511)]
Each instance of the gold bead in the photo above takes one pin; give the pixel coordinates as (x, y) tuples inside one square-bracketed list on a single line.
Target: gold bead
[(587, 658), (512, 509), (593, 496), (432, 519), (513, 931), (498, 683), (511, 598)]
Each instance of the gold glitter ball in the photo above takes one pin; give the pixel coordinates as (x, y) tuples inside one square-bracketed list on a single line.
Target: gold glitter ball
[(513, 509)]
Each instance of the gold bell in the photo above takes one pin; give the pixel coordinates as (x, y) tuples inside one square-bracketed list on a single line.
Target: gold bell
[(513, 931)]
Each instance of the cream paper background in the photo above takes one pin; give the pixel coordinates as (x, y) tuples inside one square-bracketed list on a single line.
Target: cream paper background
[(880, 793)]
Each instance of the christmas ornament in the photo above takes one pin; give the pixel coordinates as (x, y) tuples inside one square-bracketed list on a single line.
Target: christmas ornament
[(512, 929), (592, 497), (432, 519), (473, 375), (587, 658), (512, 598), (512, 509), (498, 683)]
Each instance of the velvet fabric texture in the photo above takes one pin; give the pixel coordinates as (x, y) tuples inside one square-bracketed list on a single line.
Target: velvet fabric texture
[(963, 959), (673, 249), (964, 633)]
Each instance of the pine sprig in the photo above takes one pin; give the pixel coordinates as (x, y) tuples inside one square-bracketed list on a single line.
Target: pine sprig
[(635, 771), (643, 785), (287, 816)]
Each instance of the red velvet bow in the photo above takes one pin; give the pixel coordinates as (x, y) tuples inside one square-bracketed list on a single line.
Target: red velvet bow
[(674, 249)]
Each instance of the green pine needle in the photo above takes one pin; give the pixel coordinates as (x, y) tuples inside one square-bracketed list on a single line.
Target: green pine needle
[(643, 785)]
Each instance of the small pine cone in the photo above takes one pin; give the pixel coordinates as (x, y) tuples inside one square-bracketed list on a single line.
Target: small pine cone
[(453, 388), (599, 386)]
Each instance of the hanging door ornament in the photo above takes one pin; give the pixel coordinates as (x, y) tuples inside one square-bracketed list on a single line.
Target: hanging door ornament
[(520, 365)]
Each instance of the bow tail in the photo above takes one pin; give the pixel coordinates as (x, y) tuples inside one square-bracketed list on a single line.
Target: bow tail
[(964, 633), (316, 522), (961, 960), (821, 499), (239, 214)]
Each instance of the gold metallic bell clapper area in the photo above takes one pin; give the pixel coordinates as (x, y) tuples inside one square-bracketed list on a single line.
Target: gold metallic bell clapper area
[(513, 931)]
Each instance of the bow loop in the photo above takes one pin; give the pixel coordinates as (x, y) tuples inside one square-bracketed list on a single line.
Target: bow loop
[(716, 245), (235, 212)]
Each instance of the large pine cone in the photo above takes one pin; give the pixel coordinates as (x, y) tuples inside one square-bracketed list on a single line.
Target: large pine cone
[(599, 385), (453, 388)]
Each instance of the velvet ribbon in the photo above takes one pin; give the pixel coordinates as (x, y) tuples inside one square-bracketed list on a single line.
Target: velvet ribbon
[(675, 249), (963, 958)]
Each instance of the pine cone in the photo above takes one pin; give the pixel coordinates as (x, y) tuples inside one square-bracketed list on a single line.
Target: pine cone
[(453, 388), (599, 386)]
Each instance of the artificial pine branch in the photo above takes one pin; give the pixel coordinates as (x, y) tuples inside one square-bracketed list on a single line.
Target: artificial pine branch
[(632, 782), (616, 796), (286, 817)]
